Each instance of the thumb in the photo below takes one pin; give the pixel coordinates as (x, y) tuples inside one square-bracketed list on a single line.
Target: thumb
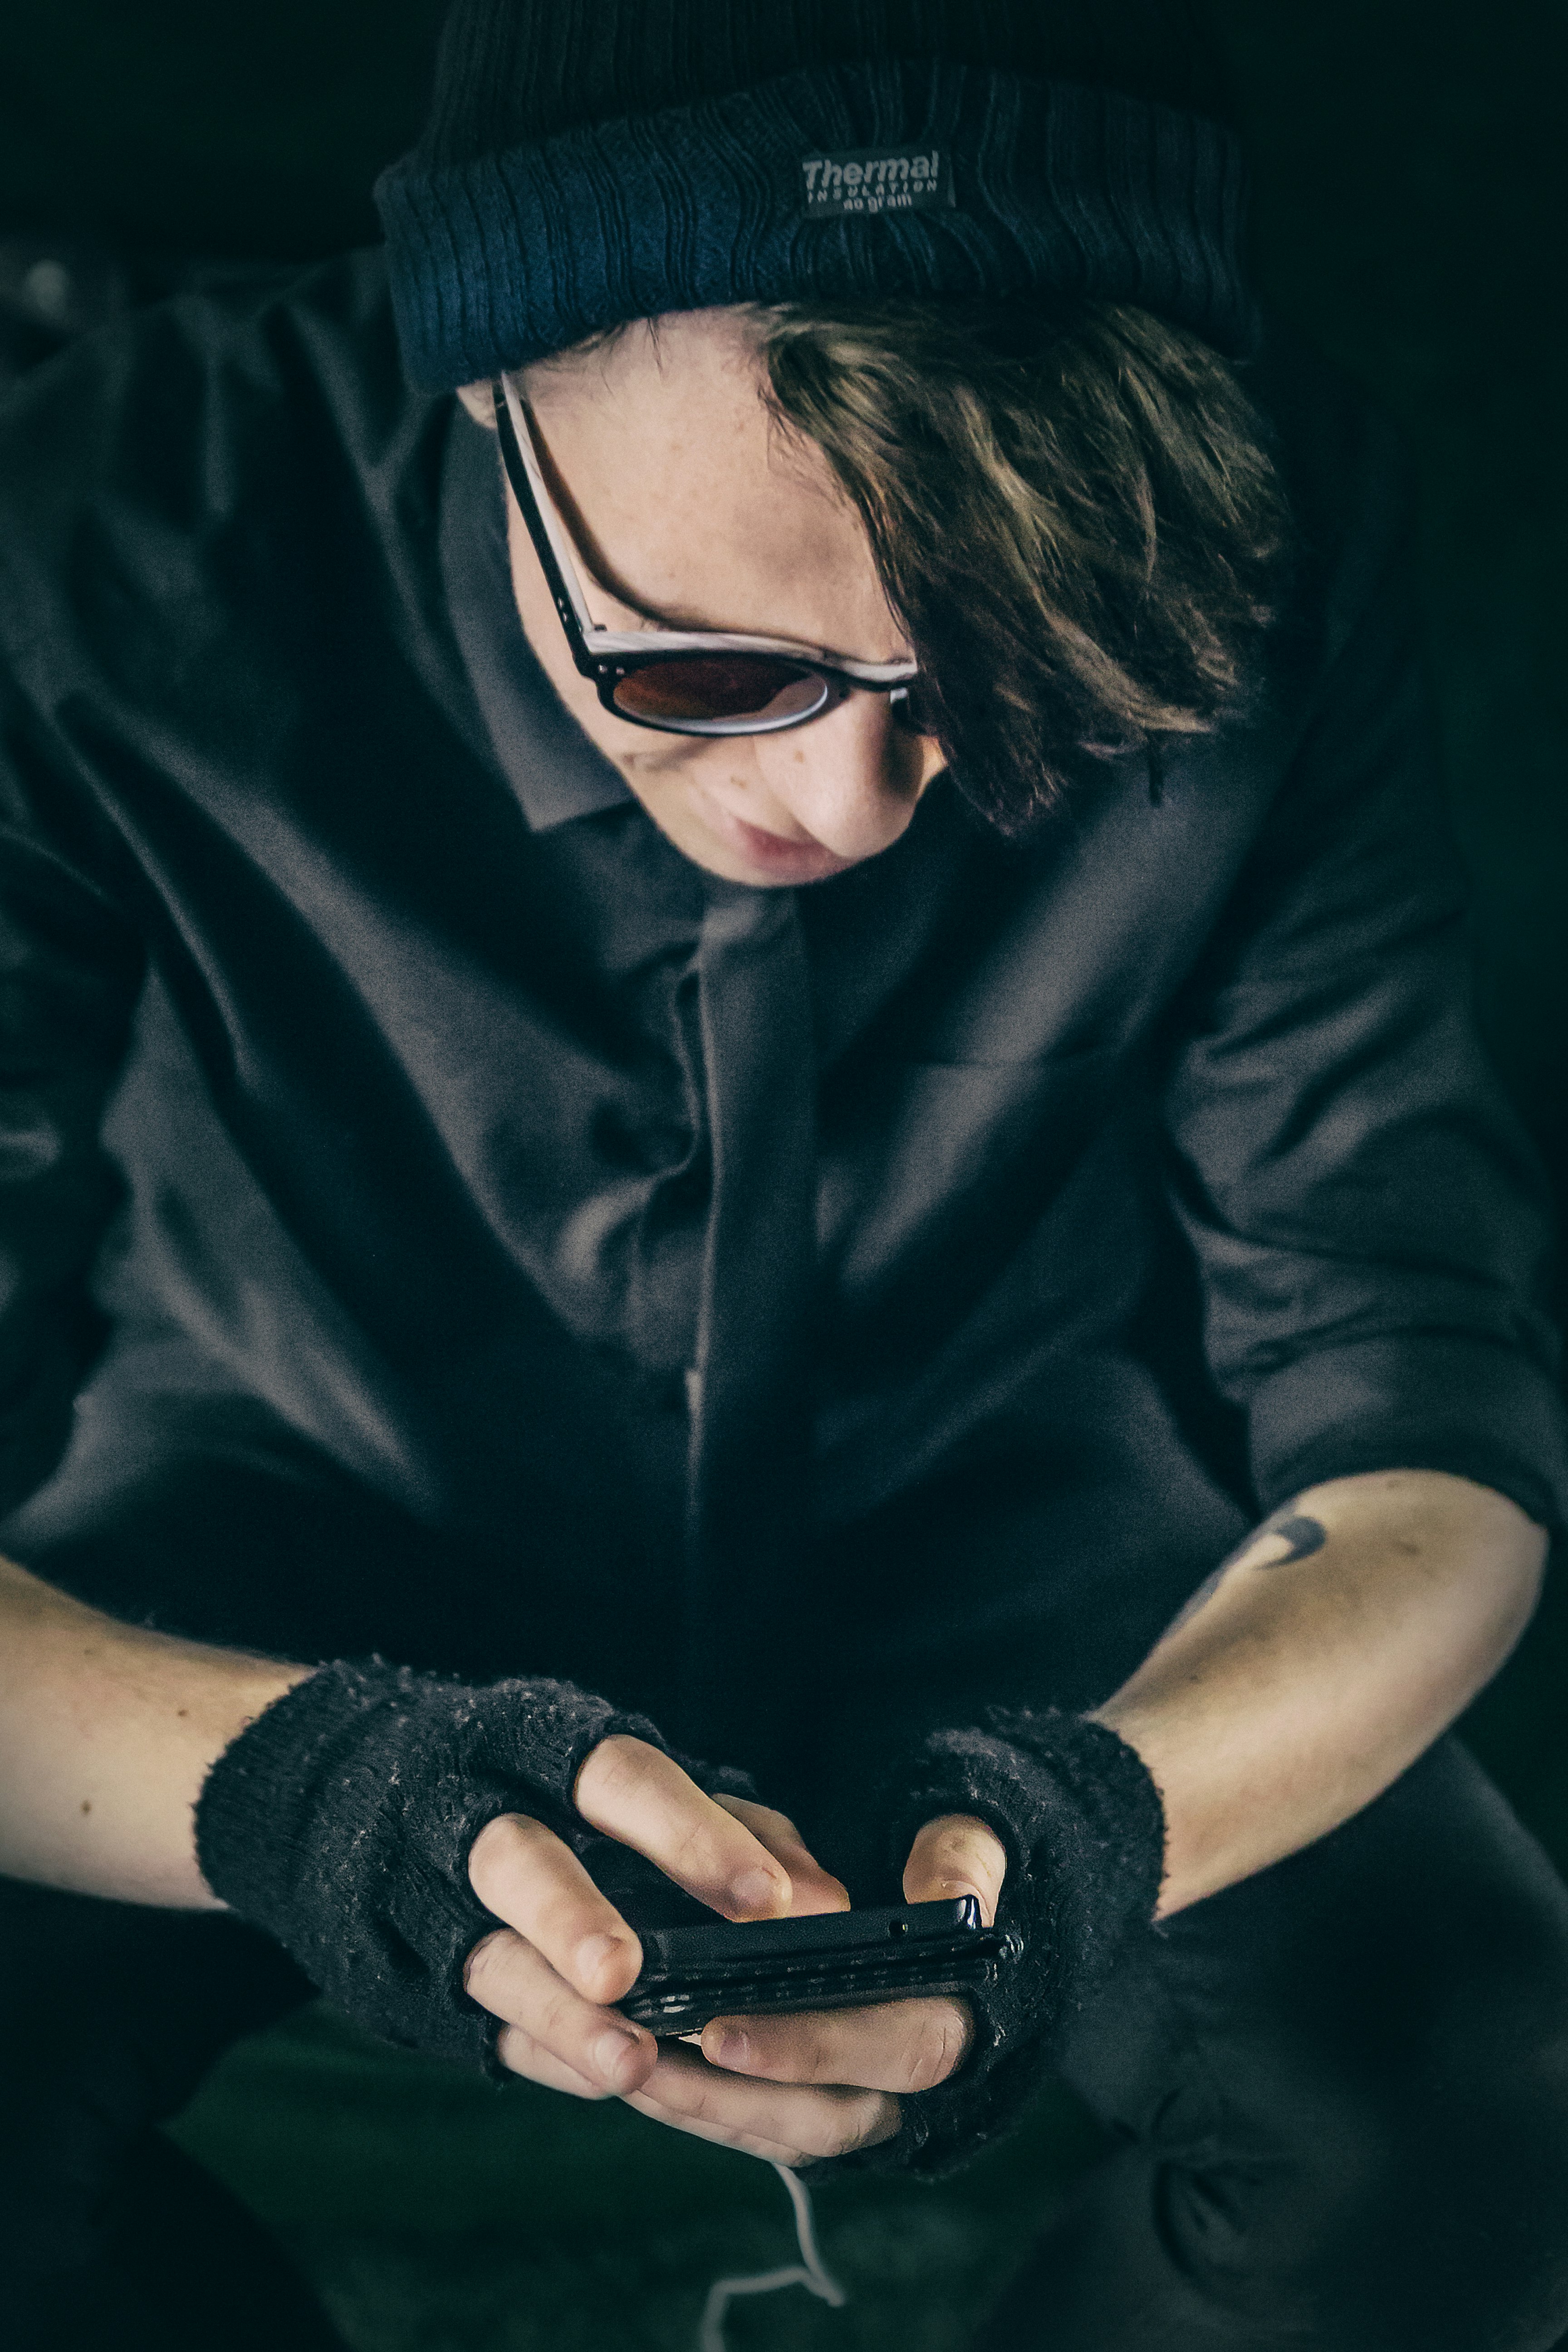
[(956, 1854)]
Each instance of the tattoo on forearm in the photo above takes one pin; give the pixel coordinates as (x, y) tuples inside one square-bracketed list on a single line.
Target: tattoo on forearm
[(1301, 1537)]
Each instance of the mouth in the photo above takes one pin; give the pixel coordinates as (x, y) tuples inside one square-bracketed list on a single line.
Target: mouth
[(770, 854)]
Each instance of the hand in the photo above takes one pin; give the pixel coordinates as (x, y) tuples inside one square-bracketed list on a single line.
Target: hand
[(564, 1950), (823, 2083)]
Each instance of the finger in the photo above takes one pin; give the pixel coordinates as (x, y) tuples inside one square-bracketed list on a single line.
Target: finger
[(775, 2151), (517, 1984), (520, 2053), (811, 1888), (956, 1854), (527, 1877), (685, 2091), (897, 2046), (633, 1791)]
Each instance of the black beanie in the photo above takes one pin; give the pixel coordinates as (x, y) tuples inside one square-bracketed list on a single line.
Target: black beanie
[(589, 161)]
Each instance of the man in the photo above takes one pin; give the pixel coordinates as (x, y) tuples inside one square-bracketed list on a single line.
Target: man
[(767, 1022)]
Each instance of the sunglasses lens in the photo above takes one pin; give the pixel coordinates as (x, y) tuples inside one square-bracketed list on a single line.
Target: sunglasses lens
[(734, 687)]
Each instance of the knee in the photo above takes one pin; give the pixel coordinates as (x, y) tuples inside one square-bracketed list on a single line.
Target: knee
[(1433, 2219), (1473, 2208)]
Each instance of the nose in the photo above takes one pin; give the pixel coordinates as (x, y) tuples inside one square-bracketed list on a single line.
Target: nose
[(849, 778)]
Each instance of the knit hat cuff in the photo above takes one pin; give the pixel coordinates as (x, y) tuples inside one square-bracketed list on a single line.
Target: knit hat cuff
[(834, 182)]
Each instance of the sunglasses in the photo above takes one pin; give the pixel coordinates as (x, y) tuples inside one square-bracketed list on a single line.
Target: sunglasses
[(686, 681)]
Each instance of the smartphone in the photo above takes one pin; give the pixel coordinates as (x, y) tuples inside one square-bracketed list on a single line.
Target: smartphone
[(837, 1959)]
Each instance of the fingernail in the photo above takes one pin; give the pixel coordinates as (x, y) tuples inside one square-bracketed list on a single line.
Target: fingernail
[(754, 1890), (732, 2048), (592, 1953), (612, 2052)]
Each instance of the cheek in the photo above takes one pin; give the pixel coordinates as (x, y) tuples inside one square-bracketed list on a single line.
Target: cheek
[(672, 776)]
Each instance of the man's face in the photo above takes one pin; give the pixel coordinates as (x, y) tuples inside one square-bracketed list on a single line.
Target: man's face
[(691, 508)]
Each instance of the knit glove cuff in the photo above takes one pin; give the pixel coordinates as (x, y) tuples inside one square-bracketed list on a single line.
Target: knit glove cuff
[(341, 1822), (1084, 1830)]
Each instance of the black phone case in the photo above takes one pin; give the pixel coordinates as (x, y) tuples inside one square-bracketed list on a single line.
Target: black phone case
[(840, 1959)]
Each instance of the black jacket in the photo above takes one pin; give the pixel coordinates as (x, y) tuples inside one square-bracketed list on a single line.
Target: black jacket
[(351, 1040)]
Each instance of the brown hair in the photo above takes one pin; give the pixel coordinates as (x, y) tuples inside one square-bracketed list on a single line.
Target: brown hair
[(1074, 511)]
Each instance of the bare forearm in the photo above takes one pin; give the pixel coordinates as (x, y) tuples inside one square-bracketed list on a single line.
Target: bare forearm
[(1297, 1687), (106, 1735)]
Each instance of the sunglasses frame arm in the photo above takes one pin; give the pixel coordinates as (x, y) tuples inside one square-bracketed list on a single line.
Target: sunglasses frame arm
[(528, 489)]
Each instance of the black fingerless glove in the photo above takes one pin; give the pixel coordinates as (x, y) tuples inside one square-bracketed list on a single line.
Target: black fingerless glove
[(342, 1819), (1085, 1833)]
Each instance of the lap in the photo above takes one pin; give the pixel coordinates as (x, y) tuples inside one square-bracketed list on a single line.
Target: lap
[(1349, 2075), (134, 2001), (110, 2016)]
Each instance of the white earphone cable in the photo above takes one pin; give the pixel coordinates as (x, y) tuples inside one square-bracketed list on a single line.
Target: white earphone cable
[(807, 2273)]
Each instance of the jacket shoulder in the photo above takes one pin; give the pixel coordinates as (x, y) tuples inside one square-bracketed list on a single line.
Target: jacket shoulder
[(250, 411)]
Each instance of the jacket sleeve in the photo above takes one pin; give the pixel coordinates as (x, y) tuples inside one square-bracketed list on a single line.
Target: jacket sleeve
[(71, 971), (1371, 1227)]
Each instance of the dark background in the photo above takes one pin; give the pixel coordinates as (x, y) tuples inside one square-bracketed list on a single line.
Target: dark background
[(1410, 164)]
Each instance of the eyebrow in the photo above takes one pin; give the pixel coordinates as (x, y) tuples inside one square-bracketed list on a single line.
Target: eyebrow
[(658, 617), (680, 623), (652, 613), (569, 516)]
